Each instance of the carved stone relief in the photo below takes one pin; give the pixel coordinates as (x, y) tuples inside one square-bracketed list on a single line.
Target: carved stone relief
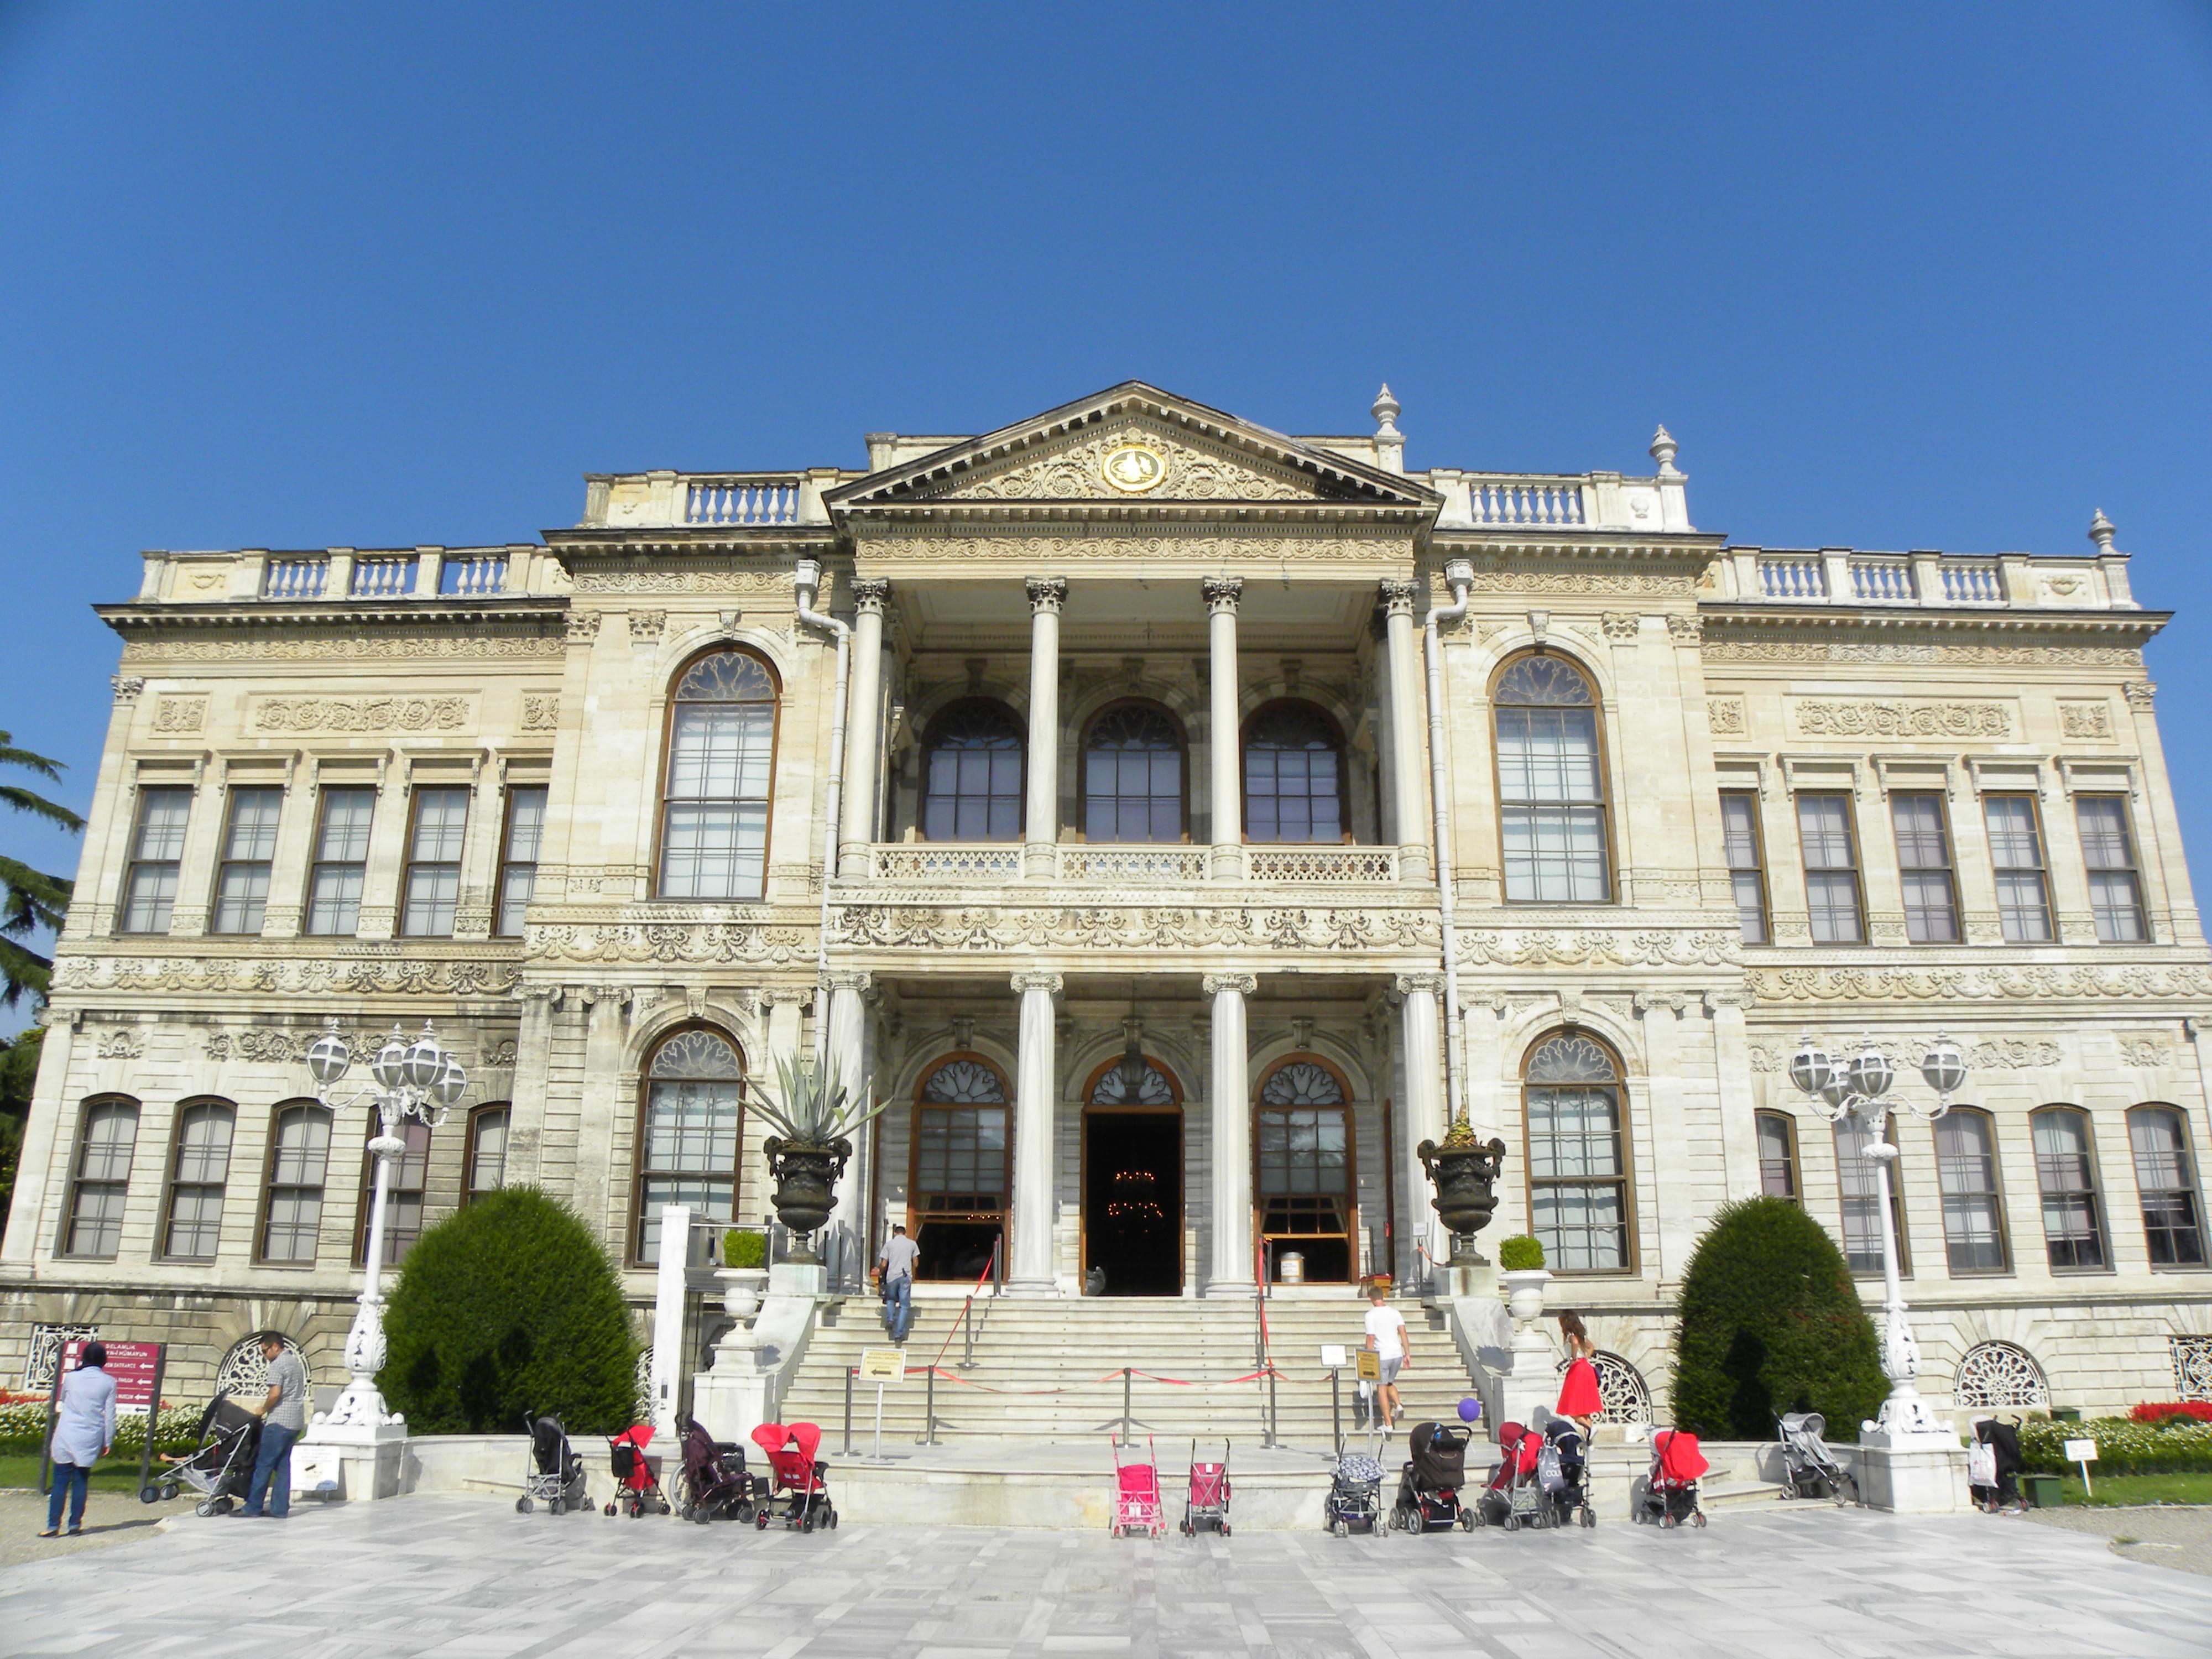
[(179, 716), (1840, 717), (541, 711), (361, 714), (309, 976), (1076, 470), (1976, 984), (1725, 715), (2086, 720), (1824, 650), (259, 647)]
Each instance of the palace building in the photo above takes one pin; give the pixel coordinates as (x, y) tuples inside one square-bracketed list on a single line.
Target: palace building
[(1175, 821)]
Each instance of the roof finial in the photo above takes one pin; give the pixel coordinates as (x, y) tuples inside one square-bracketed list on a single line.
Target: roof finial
[(2100, 532), (1389, 442), (1663, 449)]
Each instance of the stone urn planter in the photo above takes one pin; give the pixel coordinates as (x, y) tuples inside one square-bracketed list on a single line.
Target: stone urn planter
[(742, 1288), (1464, 1172), (1524, 1291), (805, 1176)]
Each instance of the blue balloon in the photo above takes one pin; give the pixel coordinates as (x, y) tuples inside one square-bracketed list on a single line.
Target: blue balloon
[(1470, 1410)]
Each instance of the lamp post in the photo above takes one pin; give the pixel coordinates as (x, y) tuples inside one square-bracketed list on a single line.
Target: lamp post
[(418, 1081), (1839, 1088)]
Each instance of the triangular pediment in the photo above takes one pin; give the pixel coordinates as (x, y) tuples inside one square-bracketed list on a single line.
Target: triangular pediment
[(1133, 446)]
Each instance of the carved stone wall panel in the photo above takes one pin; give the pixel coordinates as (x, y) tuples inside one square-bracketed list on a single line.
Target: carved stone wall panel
[(1725, 716), (179, 716), (591, 580), (1979, 984), (306, 975), (305, 714), (1075, 470), (2091, 720), (957, 927), (670, 942), (1850, 717), (1905, 651), (541, 711), (249, 648), (1644, 947)]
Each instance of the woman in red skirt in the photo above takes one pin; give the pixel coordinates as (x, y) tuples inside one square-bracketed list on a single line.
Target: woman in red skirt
[(1578, 1395)]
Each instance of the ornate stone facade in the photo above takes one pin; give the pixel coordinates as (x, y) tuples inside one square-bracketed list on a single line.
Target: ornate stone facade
[(1135, 870)]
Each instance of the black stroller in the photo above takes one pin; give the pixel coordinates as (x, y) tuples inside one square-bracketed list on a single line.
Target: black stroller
[(554, 1476), (715, 1484), (221, 1467), (2000, 1464), (1355, 1495), (1428, 1490), (1560, 1469)]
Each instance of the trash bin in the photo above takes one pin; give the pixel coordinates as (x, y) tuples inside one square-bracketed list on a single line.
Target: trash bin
[(2066, 1413), (2042, 1491), (1291, 1268)]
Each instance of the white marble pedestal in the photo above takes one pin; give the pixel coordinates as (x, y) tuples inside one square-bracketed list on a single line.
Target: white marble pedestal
[(1913, 1473), (370, 1456)]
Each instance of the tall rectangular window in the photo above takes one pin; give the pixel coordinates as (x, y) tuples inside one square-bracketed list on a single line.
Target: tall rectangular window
[(2166, 1180), (298, 1157), (2115, 889), (1832, 869), (102, 1179), (1778, 1155), (334, 883), (1923, 863), (1578, 1161), (433, 862), (1746, 870), (197, 1173), (2016, 853), (518, 855), (150, 886), (1966, 1176), (249, 843), (487, 1151), (1859, 1176), (2073, 1229)]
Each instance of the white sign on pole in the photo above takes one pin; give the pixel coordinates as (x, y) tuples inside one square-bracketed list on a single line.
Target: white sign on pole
[(883, 1364), (1333, 1357), (2083, 1452)]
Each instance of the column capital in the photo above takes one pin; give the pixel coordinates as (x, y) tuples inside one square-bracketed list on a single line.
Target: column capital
[(787, 996), (1051, 984), (1222, 593), (869, 593), (1674, 1002), (1406, 984), (1244, 984), (1715, 1000), (851, 979), (128, 686), (1047, 594), (1397, 596)]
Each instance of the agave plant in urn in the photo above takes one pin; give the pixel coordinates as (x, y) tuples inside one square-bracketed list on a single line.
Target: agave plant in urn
[(815, 1118), (1464, 1171)]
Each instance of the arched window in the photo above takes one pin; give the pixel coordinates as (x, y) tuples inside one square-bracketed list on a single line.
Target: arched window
[(972, 763), (1966, 1176), (199, 1168), (721, 760), (487, 1150), (1996, 1376), (958, 1212), (2066, 1174), (1293, 775), (1778, 1155), (244, 1373), (1110, 1088), (101, 1179), (403, 1200), (1576, 1119), (1308, 1198), (1132, 776), (299, 1162), (1858, 1179), (1551, 784), (1625, 1396), (2165, 1182), (691, 1123)]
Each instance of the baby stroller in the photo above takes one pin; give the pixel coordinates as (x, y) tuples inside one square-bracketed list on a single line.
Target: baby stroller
[(1428, 1491), (1560, 1466), (554, 1476), (1670, 1496), (794, 1477), (1206, 1503), (1355, 1495), (221, 1467), (1993, 1466), (637, 1476), (715, 1478), (1137, 1505), (1513, 1497), (1808, 1468)]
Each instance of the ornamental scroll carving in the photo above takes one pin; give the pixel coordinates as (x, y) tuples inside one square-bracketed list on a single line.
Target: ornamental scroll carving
[(361, 714), (1974, 984), (2148, 1052), (671, 942), (122, 1045), (2077, 656), (995, 928), (1525, 578), (1075, 472), (1647, 947), (1838, 717), (259, 647), (1986, 1055), (541, 711), (2086, 720), (589, 580), (1275, 545), (312, 976), (181, 715), (1725, 716)]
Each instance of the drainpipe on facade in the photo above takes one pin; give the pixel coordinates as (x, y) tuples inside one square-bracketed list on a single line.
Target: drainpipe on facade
[(1460, 573), (806, 582)]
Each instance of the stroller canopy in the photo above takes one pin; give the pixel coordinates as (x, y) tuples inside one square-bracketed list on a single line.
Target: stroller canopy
[(2004, 1439), (1680, 1460), (1439, 1457), (548, 1440)]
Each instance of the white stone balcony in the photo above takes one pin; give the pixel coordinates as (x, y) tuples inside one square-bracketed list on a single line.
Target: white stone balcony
[(337, 575), (1082, 864), (1846, 577)]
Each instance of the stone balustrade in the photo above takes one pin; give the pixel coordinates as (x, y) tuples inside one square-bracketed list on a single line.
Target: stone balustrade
[(294, 579), (337, 575), (741, 498), (1133, 866), (383, 578), (1846, 576)]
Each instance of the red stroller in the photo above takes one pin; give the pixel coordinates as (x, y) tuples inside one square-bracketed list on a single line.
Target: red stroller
[(637, 1477), (1137, 1506), (795, 1477), (1514, 1495), (1206, 1503), (1670, 1495)]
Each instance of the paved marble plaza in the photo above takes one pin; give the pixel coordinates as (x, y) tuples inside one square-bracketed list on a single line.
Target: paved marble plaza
[(462, 1576)]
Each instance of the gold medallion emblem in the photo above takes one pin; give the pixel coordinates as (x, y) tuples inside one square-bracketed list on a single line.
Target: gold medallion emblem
[(1133, 467)]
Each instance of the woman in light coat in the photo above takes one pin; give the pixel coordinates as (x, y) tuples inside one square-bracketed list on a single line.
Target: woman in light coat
[(84, 1431)]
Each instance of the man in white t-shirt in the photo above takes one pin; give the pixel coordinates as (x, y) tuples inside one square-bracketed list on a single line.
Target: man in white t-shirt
[(1386, 1335)]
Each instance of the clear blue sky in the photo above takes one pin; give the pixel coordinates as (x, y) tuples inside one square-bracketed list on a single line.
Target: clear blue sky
[(296, 275)]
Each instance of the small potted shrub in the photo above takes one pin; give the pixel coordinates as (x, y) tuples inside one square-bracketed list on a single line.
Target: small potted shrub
[(744, 1272), (1464, 1172), (1520, 1265)]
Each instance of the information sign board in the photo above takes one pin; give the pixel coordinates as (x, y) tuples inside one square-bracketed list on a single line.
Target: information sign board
[(134, 1365), (1371, 1365), (1332, 1356), (883, 1364)]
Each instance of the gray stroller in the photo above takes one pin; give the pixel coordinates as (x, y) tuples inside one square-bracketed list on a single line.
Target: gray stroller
[(1811, 1470)]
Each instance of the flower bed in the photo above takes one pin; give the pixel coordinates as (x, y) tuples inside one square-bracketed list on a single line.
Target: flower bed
[(2123, 1447), (2159, 1411), (23, 1428)]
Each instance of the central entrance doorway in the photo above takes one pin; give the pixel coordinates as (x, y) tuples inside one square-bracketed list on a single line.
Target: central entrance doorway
[(1133, 1199)]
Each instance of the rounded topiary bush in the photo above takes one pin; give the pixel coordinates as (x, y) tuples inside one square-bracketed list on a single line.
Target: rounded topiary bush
[(1772, 1323), (507, 1308)]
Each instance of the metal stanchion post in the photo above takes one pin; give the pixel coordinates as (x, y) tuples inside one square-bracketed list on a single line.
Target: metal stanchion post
[(1125, 1405), (1271, 1406), (850, 1372), (1336, 1408), (929, 1410)]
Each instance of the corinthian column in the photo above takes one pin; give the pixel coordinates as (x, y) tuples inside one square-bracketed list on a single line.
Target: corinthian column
[(1406, 768), (1041, 819), (1229, 1270), (862, 724), (1028, 1252), (1222, 593), (850, 992), (1424, 1100)]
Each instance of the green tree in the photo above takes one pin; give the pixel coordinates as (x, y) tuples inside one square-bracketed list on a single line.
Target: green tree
[(1772, 1323), (31, 901), (507, 1308), (19, 1070)]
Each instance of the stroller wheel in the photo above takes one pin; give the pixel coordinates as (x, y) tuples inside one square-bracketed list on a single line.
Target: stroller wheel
[(703, 1516), (558, 1506), (745, 1511), (1224, 1529), (1698, 1516), (1588, 1515), (833, 1520), (1466, 1520), (806, 1523), (1512, 1521), (206, 1507), (149, 1494), (684, 1514), (760, 1521), (1666, 1522), (522, 1505), (610, 1509), (168, 1490)]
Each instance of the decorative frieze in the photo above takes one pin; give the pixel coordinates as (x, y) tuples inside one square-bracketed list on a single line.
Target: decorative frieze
[(1268, 549), (963, 928), (1978, 984), (1904, 651), (670, 942), (541, 711), (1601, 947), (1849, 717), (1519, 578), (1982, 1055), (1725, 717), (305, 714), (2086, 720), (305, 975), (593, 581), (180, 716), (1135, 459), (384, 644)]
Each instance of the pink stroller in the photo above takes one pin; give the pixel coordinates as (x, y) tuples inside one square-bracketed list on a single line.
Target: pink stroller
[(1137, 1506), (1207, 1504)]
